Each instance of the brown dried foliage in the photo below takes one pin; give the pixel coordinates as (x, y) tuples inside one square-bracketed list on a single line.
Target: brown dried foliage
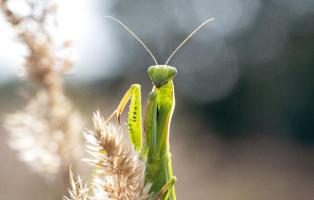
[(78, 190), (119, 171), (46, 132)]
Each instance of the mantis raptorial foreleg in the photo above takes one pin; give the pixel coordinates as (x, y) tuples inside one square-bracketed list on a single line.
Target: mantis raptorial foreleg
[(134, 115)]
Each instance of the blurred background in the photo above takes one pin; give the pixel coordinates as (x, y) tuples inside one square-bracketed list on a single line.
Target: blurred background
[(243, 127)]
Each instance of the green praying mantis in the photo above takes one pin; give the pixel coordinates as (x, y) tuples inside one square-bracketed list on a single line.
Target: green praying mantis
[(154, 149)]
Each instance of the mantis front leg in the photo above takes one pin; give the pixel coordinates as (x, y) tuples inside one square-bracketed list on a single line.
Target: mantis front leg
[(134, 115)]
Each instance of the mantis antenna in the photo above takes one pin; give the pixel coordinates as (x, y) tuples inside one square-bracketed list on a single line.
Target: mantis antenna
[(188, 37), (135, 36)]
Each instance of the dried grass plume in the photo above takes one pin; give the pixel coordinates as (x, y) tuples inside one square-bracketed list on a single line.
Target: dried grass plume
[(78, 190), (46, 132), (119, 170)]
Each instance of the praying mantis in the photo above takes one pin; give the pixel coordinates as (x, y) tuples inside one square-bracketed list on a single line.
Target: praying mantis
[(154, 149)]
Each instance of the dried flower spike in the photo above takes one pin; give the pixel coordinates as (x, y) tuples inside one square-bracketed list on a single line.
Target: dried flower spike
[(46, 133), (78, 190), (47, 144), (120, 172)]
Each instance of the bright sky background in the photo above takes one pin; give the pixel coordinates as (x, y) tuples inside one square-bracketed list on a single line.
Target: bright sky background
[(83, 24)]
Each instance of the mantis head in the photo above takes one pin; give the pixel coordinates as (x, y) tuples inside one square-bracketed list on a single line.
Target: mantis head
[(161, 74)]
